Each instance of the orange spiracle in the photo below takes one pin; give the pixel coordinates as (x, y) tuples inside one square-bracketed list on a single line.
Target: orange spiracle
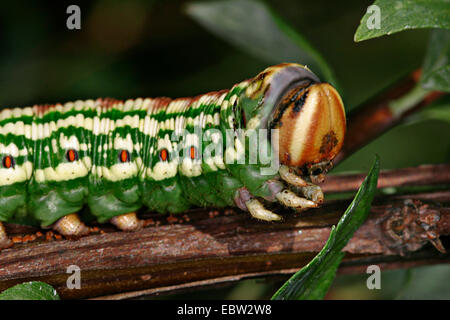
[(124, 156), (163, 155), (72, 155), (8, 162), (193, 153)]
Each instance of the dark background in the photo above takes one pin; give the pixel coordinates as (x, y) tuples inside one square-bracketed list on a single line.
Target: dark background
[(130, 49)]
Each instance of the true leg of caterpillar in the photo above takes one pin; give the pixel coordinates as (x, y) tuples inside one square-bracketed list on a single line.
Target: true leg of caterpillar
[(290, 177), (127, 222), (71, 226), (5, 242), (310, 191), (258, 211), (291, 200), (247, 202)]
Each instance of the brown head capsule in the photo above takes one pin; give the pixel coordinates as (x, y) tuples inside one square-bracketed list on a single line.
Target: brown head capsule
[(311, 122)]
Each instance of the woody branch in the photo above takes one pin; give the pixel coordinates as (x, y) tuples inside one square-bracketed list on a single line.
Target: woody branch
[(208, 247)]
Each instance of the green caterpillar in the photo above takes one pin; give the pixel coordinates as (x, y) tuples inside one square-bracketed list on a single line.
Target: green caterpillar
[(115, 157)]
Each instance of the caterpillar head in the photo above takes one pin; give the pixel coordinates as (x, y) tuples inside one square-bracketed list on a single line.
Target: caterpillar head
[(308, 114)]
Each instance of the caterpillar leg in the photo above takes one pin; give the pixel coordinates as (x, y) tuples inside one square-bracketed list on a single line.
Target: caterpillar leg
[(71, 226), (127, 222), (247, 202), (310, 191), (291, 200), (288, 175), (5, 242), (257, 210), (298, 194)]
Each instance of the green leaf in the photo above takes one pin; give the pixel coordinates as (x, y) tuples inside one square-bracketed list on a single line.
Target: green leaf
[(438, 79), (436, 66), (255, 28), (399, 15), (30, 291), (438, 50), (313, 280)]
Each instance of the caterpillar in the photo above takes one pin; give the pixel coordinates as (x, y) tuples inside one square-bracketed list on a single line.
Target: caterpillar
[(114, 157)]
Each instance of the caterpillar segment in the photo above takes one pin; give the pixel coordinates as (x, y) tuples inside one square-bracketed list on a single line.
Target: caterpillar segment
[(67, 164)]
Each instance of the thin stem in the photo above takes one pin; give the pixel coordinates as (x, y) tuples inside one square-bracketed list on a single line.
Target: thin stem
[(384, 112), (407, 102)]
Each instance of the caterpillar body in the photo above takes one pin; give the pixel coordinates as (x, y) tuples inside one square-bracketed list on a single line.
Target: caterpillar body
[(115, 157)]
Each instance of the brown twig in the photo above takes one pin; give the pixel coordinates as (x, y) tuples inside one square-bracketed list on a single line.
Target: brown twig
[(377, 116), (414, 176), (209, 247)]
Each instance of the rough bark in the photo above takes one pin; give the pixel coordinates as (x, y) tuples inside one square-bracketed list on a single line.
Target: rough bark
[(206, 247)]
